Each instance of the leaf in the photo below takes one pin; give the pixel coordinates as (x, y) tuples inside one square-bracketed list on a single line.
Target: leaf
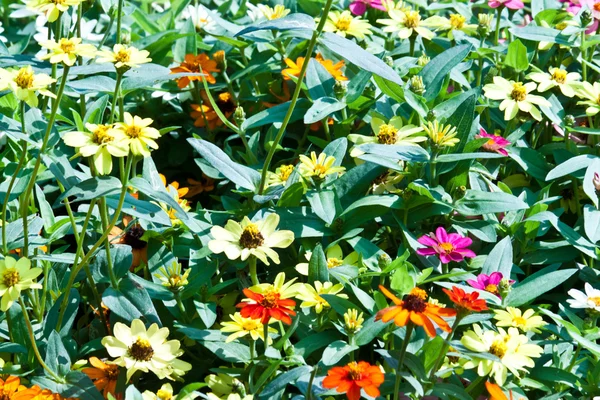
[(323, 204), (70, 314), (394, 152), (438, 68), (390, 89), (335, 352), (466, 156), (57, 358), (237, 173), (76, 385), (322, 108), (588, 181), (318, 80), (517, 56), (278, 384), (229, 352), (276, 114), (591, 219), (337, 149), (317, 266), (130, 301), (536, 285), (541, 34), (292, 21), (463, 119), (207, 312), (476, 202), (500, 259), (571, 165), (93, 188), (531, 161)]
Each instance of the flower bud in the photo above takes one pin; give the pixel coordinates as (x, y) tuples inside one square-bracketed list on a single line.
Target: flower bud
[(596, 181), (340, 88), (484, 26), (586, 18), (505, 286), (221, 59), (353, 320), (239, 116), (423, 60), (383, 260), (569, 120), (416, 85), (431, 115), (389, 61)]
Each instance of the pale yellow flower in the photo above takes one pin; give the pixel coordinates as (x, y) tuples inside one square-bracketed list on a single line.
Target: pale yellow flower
[(124, 57), (567, 82), (271, 13), (441, 135), (335, 258), (406, 23), (26, 84), (526, 321), (16, 276), (515, 96), (353, 320), (318, 167), (280, 176), (456, 22), (240, 327), (393, 132), (67, 50), (311, 296), (172, 276), (591, 97), (344, 24), (139, 134), (52, 8)]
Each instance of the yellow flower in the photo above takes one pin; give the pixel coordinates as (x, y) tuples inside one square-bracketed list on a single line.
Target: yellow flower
[(241, 327), (279, 11), (164, 393), (407, 23), (318, 167), (25, 84), (280, 176), (335, 258), (222, 384), (144, 350), (344, 24), (16, 276), (441, 135), (101, 143), (393, 132), (311, 296), (67, 50), (455, 22), (241, 240), (171, 276), (526, 321), (139, 134), (567, 82), (124, 57), (515, 96), (353, 321), (52, 8), (591, 97), (294, 67)]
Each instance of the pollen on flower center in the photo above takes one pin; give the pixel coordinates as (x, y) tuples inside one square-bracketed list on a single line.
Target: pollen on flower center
[(415, 301), (270, 299), (387, 134), (10, 277), (334, 262), (492, 288), (67, 46), (457, 21), (447, 247), (164, 395), (101, 135), (520, 321), (355, 371), (285, 171), (250, 325), (133, 131), (490, 142), (251, 237), (24, 78), (141, 350), (519, 93), (412, 19), (559, 76), (595, 300), (122, 56), (343, 23), (498, 348)]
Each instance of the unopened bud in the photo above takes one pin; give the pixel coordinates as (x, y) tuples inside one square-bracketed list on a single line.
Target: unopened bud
[(383, 260), (416, 85), (423, 60), (239, 116), (388, 60), (220, 58), (505, 286), (431, 115), (586, 18), (340, 88), (569, 120), (596, 181), (484, 26)]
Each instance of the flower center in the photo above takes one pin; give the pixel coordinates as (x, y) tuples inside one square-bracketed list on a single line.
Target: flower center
[(334, 262), (250, 325), (387, 134), (123, 56), (133, 237), (24, 78), (285, 171), (58, 1), (412, 19), (10, 277), (133, 131), (67, 46), (251, 237), (498, 348), (101, 135), (225, 103), (457, 21), (596, 6), (354, 371), (343, 23), (595, 300), (141, 350), (415, 301), (447, 247), (164, 395), (567, 194), (519, 93), (490, 142), (270, 299), (492, 288), (111, 372), (320, 169), (520, 321), (559, 76)]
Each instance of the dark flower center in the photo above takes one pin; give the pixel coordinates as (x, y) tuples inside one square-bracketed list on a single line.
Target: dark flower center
[(133, 237), (141, 350), (251, 237)]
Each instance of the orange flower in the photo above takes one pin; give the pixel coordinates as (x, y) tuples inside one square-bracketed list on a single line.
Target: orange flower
[(295, 67), (103, 375), (133, 238), (181, 192), (496, 392), (266, 306), (206, 184), (46, 394), (354, 377), (204, 114), (414, 308), (11, 389), (464, 301), (195, 64)]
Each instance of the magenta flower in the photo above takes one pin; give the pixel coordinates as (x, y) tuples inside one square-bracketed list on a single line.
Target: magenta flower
[(448, 246), (512, 4), (495, 143), (489, 283), (359, 7)]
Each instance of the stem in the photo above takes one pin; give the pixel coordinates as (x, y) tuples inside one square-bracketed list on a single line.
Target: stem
[(583, 55), (440, 359), (498, 18), (286, 120), (412, 41), (409, 329), (574, 359), (184, 318), (252, 268), (266, 333), (310, 383), (215, 107), (114, 282), (115, 97), (474, 384), (119, 17), (38, 163), (480, 66)]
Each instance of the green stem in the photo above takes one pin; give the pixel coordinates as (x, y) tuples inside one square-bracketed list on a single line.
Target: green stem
[(583, 55), (119, 17), (252, 268), (440, 359), (409, 329), (114, 282), (294, 100), (412, 41), (217, 110), (310, 383), (266, 333), (498, 20), (574, 359), (115, 97), (181, 308), (474, 384)]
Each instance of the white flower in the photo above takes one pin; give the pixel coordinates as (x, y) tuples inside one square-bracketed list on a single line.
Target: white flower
[(566, 81), (588, 300), (406, 23), (26, 84), (200, 17), (591, 95), (515, 96), (311, 296)]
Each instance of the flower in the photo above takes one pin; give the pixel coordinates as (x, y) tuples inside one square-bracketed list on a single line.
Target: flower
[(16, 276), (441, 135), (387, 181), (196, 64), (280, 176), (448, 246), (415, 309), (25, 84), (353, 321), (496, 143), (311, 296), (265, 301), (103, 375), (124, 57), (359, 7), (318, 167), (591, 95), (132, 236), (344, 24), (407, 23), (176, 194), (489, 283), (52, 8), (335, 258), (11, 389), (393, 133), (241, 240), (271, 13), (139, 134), (294, 67), (101, 142), (567, 82), (496, 392), (200, 17), (512, 348), (66, 50), (515, 96), (172, 277), (354, 377), (164, 393), (241, 327), (455, 22), (205, 115), (590, 300), (526, 321), (144, 350), (466, 302), (512, 4), (196, 187), (223, 385)]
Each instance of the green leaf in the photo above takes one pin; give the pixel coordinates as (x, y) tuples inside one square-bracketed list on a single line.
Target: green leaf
[(536, 285), (229, 352), (466, 156), (335, 352), (276, 114), (500, 259), (207, 312), (278, 384), (70, 314), (76, 384), (591, 219), (390, 89), (476, 202), (551, 376), (447, 390), (93, 188), (571, 165), (517, 56), (439, 67), (531, 161), (322, 108), (393, 152), (57, 358), (541, 34), (292, 21), (317, 266), (318, 80), (323, 204)]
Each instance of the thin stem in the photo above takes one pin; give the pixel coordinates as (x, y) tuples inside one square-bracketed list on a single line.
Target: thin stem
[(115, 97), (216, 108), (119, 17), (408, 334), (294, 100), (114, 282), (310, 383), (498, 20), (474, 384), (181, 308), (252, 269), (266, 334), (440, 359)]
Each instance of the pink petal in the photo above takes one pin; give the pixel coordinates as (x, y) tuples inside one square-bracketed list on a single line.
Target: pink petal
[(462, 243), (467, 253), (358, 8), (495, 278), (514, 4), (426, 252), (427, 241), (445, 258), (475, 284), (441, 234), (456, 256)]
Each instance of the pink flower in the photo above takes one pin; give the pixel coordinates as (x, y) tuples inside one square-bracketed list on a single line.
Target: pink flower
[(495, 143), (359, 7), (593, 6), (489, 283), (512, 4), (448, 246), (596, 181)]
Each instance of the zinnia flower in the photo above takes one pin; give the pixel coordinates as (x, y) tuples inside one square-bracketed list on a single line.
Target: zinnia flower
[(164, 393), (103, 375), (394, 132), (496, 392), (311, 296), (172, 276), (515, 96), (205, 115), (344, 24), (512, 4), (318, 167), (441, 135), (11, 389), (590, 300), (16, 276), (240, 327), (414, 308), (139, 134), (359, 7), (271, 13), (25, 84), (196, 64), (526, 321), (52, 8), (144, 350), (489, 283), (495, 143), (590, 93), (567, 82), (280, 176), (241, 240), (353, 320), (407, 23), (448, 246), (124, 57), (294, 68), (200, 17), (265, 301), (66, 50), (466, 301), (456, 22), (354, 377), (131, 236), (335, 258)]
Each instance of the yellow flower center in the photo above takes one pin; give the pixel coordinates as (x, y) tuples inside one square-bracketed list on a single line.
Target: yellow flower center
[(412, 19), (596, 6), (387, 134), (175, 280), (498, 348), (141, 350), (10, 277), (164, 395), (123, 56), (561, 25), (101, 135), (270, 300), (67, 46), (519, 93), (334, 262), (595, 300), (320, 169), (251, 237), (415, 301), (490, 142), (520, 321), (447, 247), (457, 21), (355, 371), (24, 78), (250, 325), (133, 131), (285, 171), (559, 76), (419, 293), (492, 288), (344, 21)]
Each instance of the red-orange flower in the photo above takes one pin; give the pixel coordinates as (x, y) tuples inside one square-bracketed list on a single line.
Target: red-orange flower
[(11, 389), (416, 309), (354, 377), (103, 375), (266, 306), (496, 392), (466, 301), (196, 64), (205, 115)]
